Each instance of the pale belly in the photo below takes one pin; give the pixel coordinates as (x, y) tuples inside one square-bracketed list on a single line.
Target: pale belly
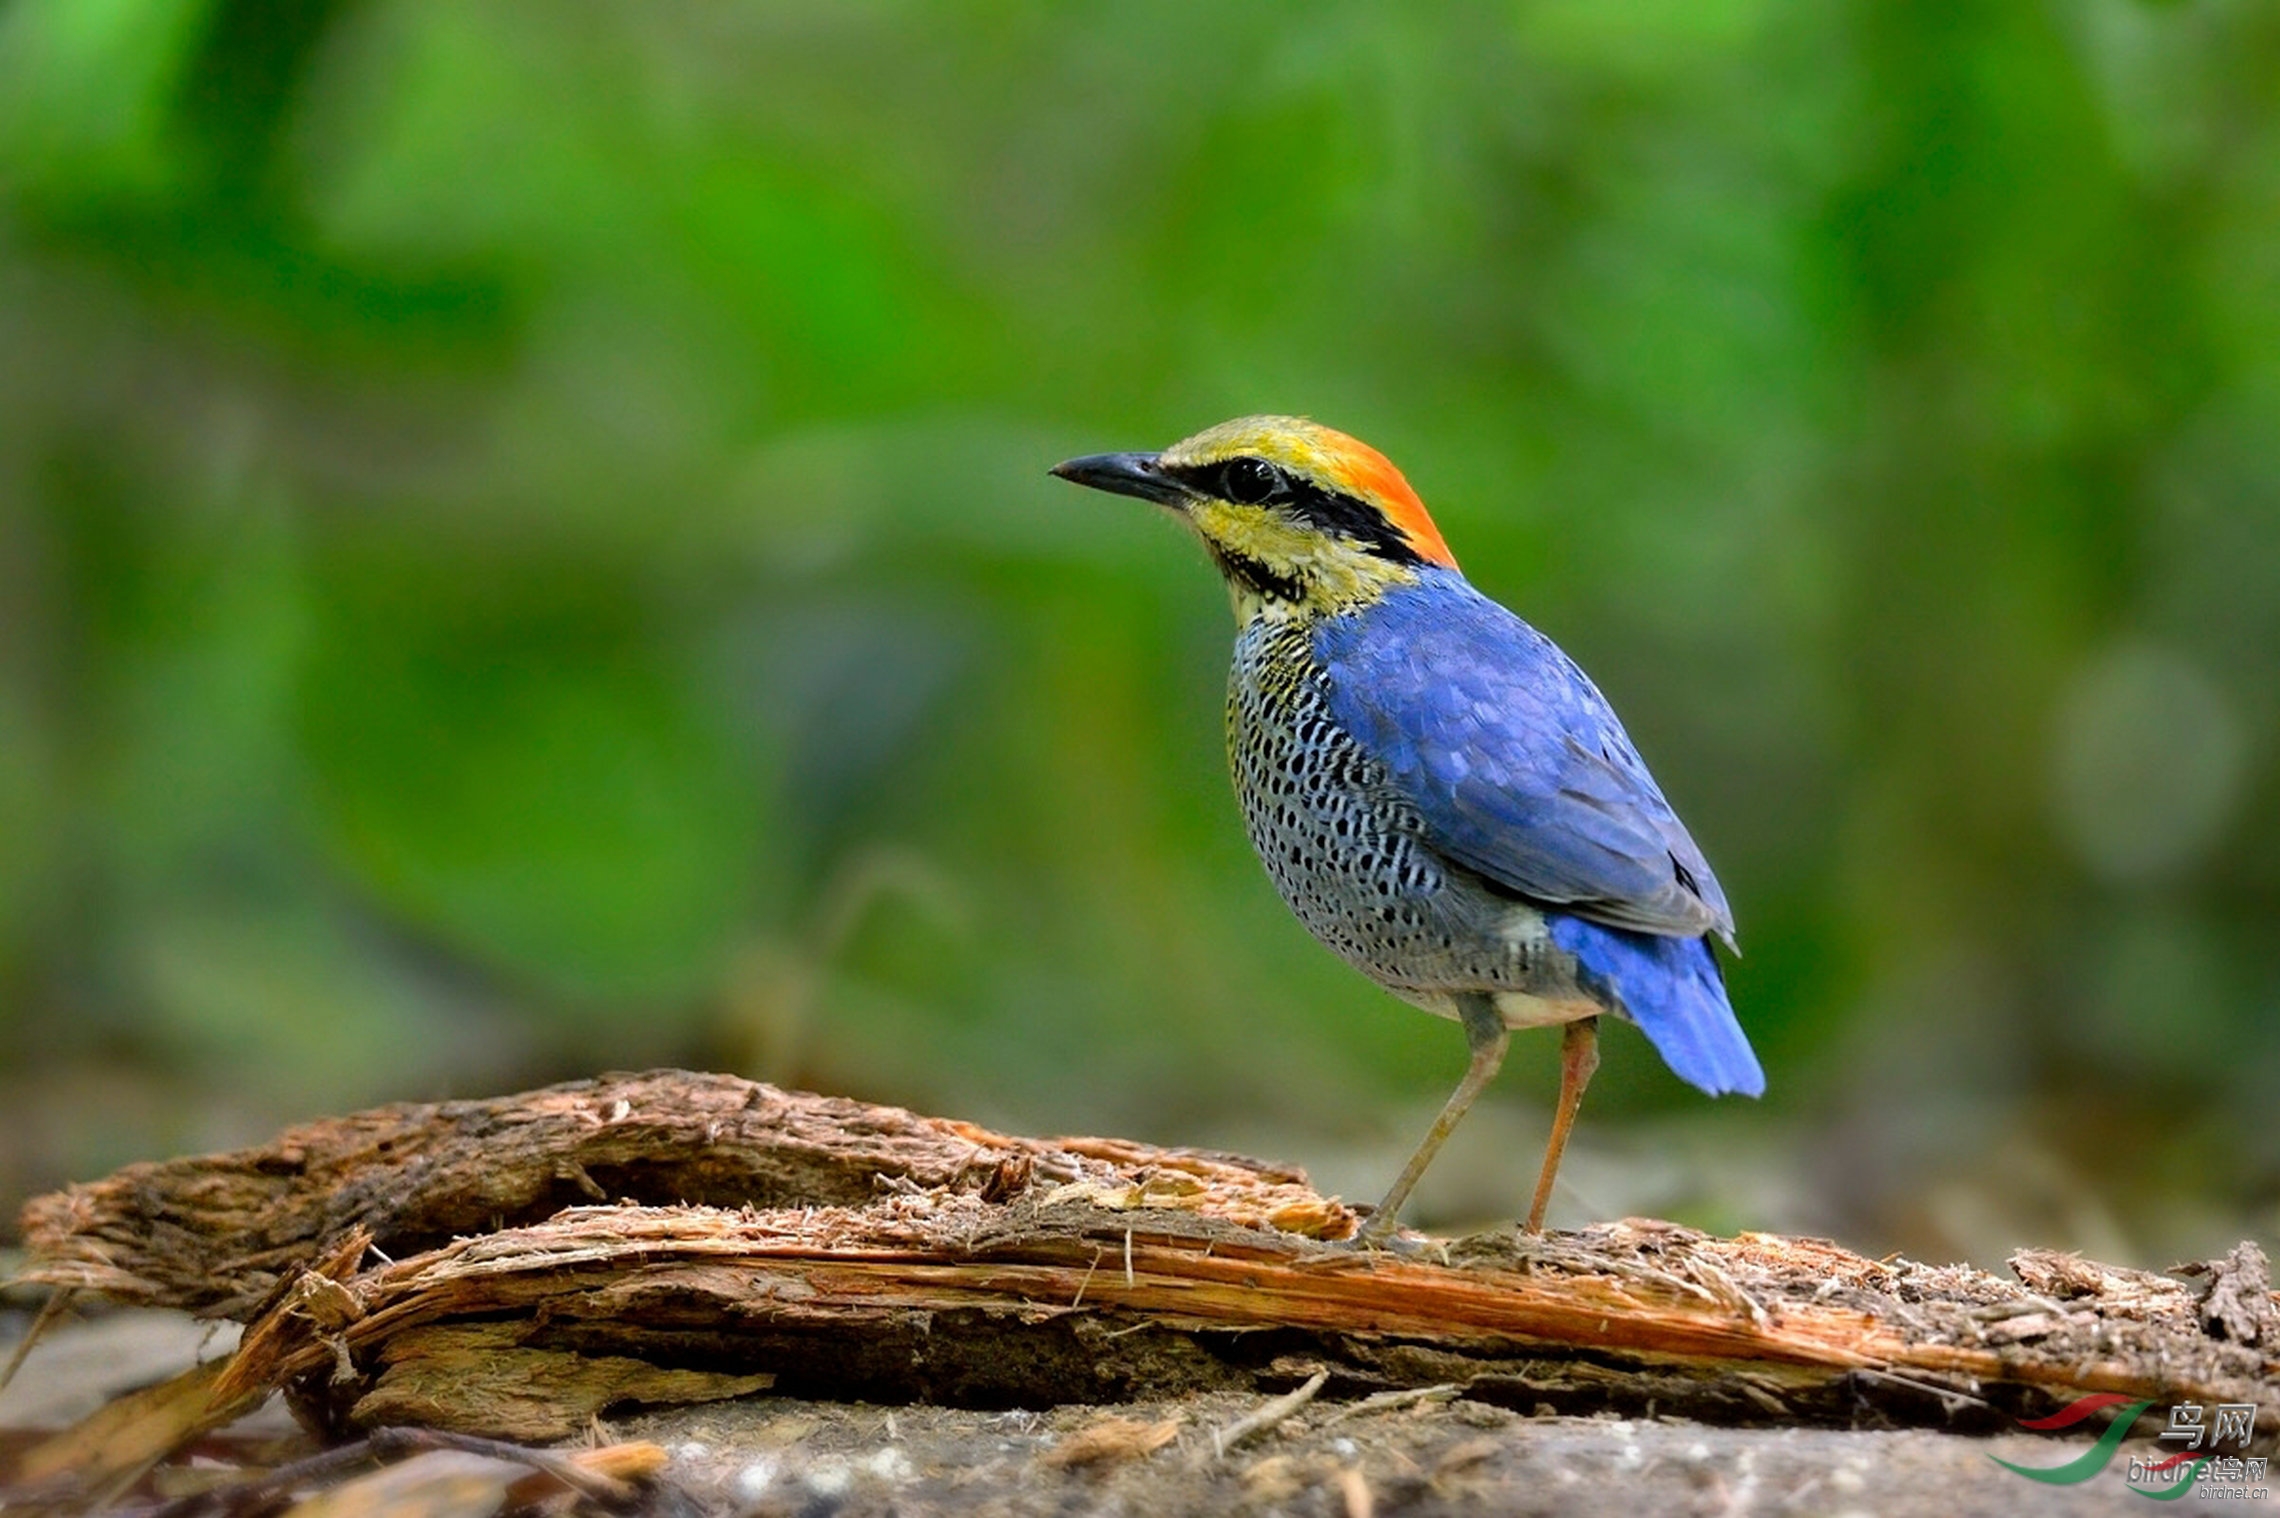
[(1520, 1009)]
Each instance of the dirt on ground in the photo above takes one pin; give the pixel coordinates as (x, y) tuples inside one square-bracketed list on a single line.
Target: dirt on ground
[(770, 1456)]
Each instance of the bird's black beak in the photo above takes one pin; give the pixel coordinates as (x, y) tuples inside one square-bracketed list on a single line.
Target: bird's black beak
[(1127, 474)]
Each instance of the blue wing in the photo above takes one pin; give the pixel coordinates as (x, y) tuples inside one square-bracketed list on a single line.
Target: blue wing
[(1516, 762), (1523, 775)]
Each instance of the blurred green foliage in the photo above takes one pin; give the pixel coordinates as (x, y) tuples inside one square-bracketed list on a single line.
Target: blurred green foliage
[(524, 546)]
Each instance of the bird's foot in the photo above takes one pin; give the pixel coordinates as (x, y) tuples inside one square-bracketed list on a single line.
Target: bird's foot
[(1388, 1237)]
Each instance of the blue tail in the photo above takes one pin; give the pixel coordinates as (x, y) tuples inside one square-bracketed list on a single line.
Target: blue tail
[(1672, 989)]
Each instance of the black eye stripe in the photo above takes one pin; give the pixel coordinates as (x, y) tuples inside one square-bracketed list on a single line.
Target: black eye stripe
[(1351, 517), (1254, 481)]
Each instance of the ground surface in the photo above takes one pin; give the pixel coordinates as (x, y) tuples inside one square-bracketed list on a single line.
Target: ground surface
[(775, 1456), (1435, 1454)]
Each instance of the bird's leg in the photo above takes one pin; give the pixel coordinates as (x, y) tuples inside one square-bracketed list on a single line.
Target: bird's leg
[(1486, 1033), (1579, 1057)]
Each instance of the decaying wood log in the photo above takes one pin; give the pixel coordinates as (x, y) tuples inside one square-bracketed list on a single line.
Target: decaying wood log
[(512, 1267), (214, 1233)]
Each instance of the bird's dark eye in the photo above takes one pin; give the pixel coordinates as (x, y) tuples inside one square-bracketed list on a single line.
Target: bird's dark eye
[(1250, 481)]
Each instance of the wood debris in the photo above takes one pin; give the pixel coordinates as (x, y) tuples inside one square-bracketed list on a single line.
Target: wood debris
[(1268, 1415), (1112, 1441), (448, 1265)]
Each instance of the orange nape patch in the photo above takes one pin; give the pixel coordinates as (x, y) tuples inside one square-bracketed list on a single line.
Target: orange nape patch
[(1371, 475), (1329, 457)]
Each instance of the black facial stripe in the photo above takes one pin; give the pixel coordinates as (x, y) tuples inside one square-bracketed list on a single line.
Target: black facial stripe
[(1351, 517), (1255, 575), (1329, 511)]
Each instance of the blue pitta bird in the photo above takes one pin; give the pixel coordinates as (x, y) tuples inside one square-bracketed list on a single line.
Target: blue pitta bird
[(1442, 797)]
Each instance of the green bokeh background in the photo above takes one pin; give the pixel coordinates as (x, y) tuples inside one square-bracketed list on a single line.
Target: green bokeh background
[(525, 548)]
